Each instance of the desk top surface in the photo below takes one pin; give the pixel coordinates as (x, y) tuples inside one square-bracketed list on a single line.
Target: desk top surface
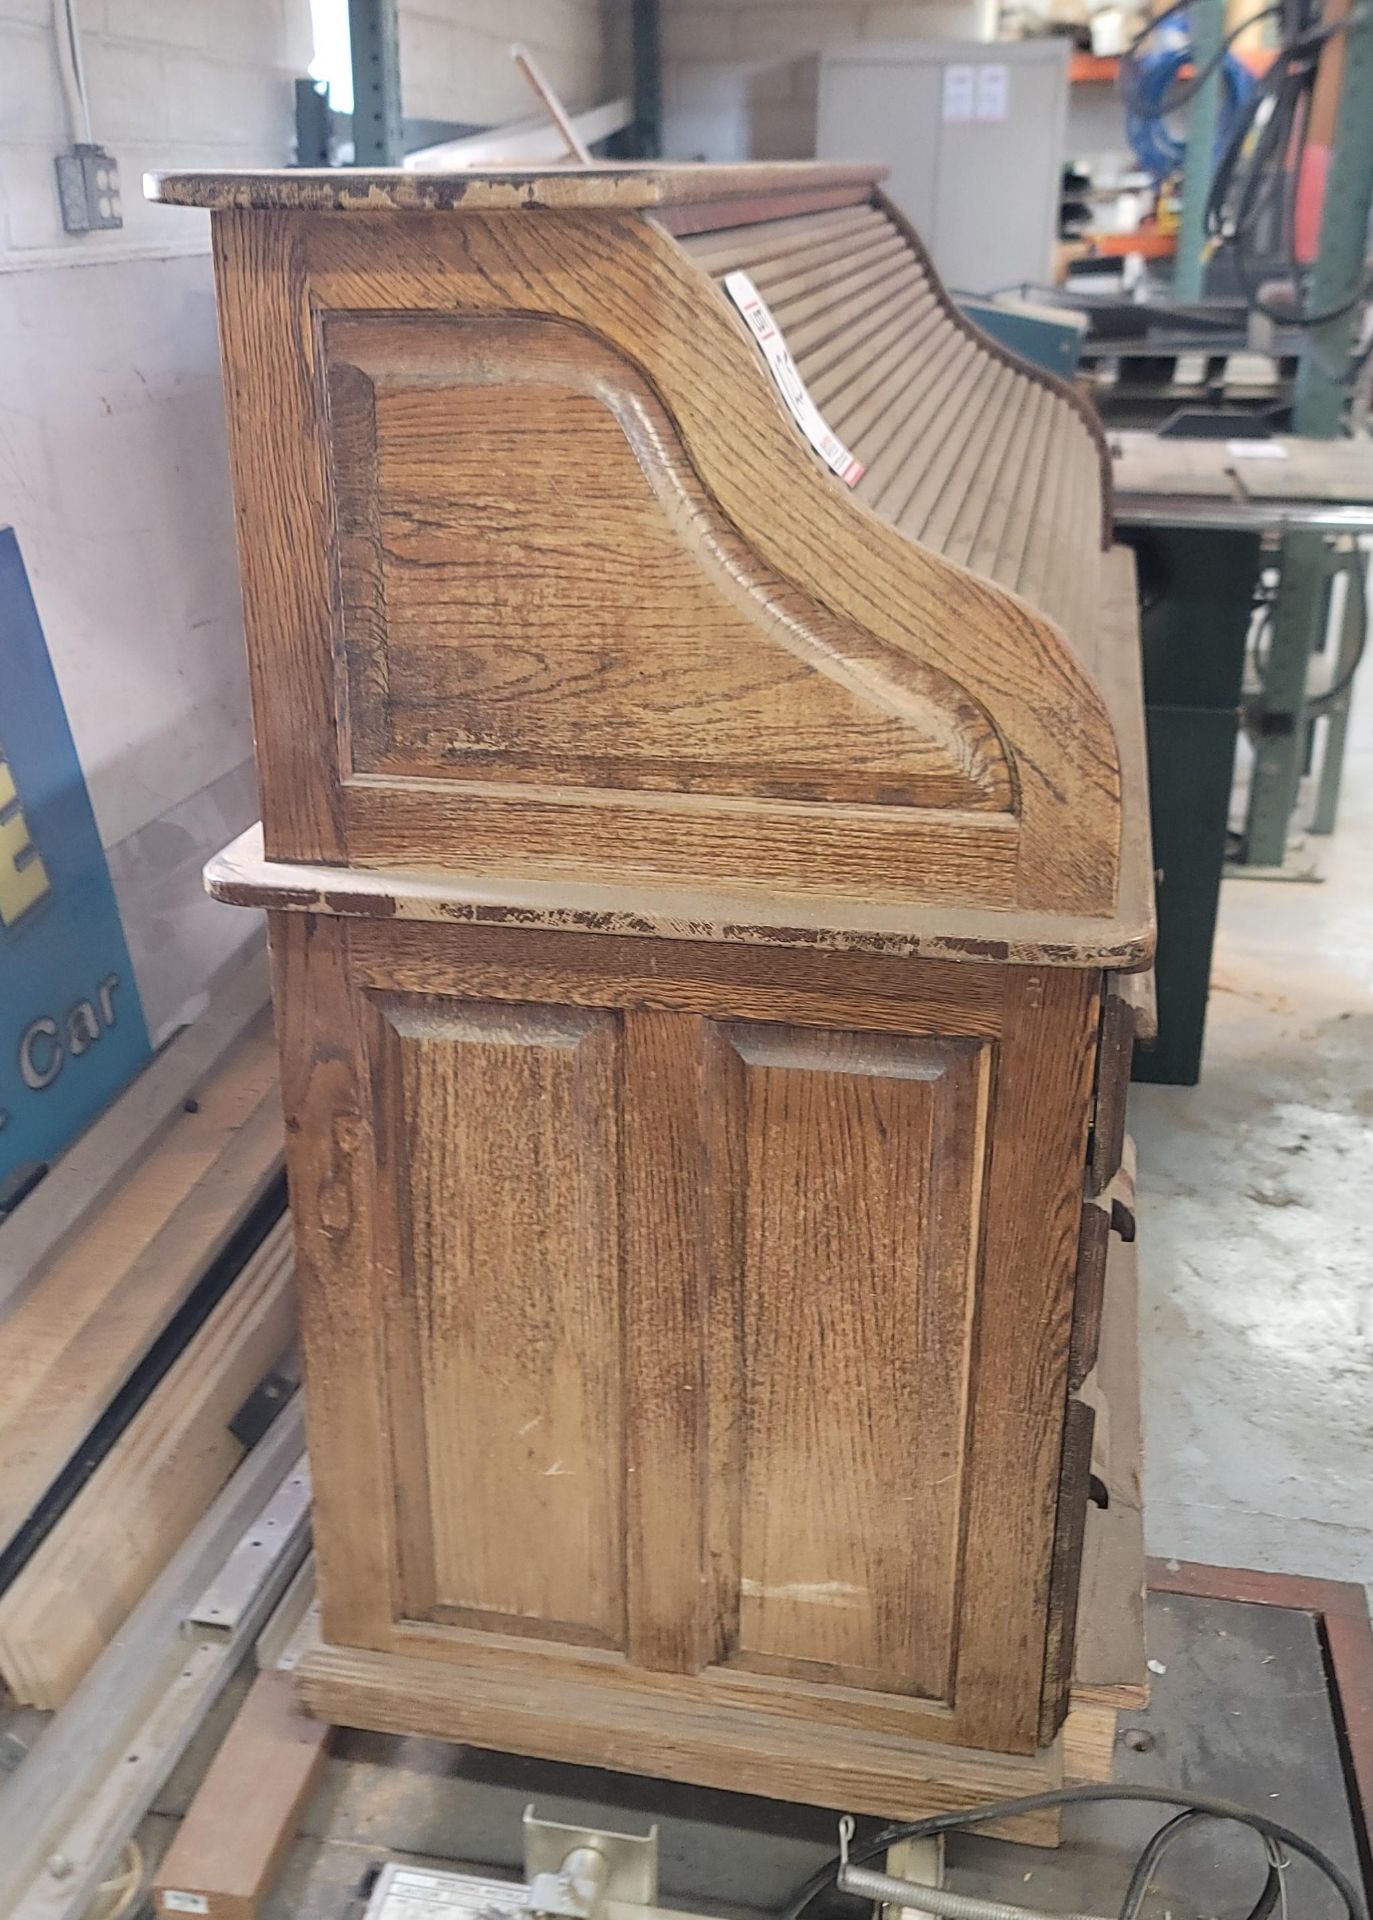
[(605, 186)]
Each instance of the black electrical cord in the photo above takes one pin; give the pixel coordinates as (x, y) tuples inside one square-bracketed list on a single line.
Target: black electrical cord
[(1269, 1830), (1326, 699), (1240, 195), (1148, 1864)]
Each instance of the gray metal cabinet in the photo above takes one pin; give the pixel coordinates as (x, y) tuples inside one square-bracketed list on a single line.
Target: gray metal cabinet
[(973, 133)]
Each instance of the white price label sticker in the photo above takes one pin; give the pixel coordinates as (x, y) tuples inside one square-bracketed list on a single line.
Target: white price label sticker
[(1255, 450), (790, 385), (958, 91), (993, 92), (183, 1902)]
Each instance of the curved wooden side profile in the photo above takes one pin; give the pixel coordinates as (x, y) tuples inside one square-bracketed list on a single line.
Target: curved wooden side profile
[(729, 673), (536, 586)]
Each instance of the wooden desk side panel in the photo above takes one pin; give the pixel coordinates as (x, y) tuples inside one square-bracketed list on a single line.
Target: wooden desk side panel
[(713, 1355), (627, 284), (280, 468)]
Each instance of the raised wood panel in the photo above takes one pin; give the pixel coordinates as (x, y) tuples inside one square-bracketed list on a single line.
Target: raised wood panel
[(628, 285), (536, 588), (501, 1160), (787, 1305), (861, 1175), (289, 281)]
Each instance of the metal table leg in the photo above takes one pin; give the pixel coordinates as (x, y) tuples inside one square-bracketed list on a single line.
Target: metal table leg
[(1298, 623), (1335, 713)]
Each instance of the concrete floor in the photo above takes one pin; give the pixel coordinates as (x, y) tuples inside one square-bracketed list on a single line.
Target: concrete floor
[(1255, 1269)]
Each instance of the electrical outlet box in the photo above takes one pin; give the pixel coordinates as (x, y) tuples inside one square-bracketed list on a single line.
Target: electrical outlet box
[(88, 187)]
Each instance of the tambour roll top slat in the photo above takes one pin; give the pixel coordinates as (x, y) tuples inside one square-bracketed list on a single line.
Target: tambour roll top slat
[(929, 404), (583, 619)]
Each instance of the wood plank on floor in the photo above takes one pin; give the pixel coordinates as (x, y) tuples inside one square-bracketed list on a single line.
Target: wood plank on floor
[(231, 1846), (75, 1337), (80, 1585)]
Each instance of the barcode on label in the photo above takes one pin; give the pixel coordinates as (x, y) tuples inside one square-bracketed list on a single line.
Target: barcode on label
[(787, 377)]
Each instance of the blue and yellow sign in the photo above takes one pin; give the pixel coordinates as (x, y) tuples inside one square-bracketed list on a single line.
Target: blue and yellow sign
[(71, 1024)]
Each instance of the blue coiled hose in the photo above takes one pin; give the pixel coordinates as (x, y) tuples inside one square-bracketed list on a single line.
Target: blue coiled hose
[(1151, 78)]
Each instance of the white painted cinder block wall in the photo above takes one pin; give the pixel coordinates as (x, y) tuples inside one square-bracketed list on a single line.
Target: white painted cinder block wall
[(112, 455), (455, 55), (112, 458), (740, 76)]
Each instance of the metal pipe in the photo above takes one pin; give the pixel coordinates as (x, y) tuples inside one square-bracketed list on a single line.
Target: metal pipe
[(1322, 390), (374, 38), (1206, 24), (889, 1891), (648, 80)]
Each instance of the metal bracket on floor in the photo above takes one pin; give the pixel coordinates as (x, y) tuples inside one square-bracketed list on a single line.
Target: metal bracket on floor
[(571, 1873), (74, 1800), (1298, 865)]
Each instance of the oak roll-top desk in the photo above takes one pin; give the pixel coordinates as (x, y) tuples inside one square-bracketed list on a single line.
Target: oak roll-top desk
[(696, 890)]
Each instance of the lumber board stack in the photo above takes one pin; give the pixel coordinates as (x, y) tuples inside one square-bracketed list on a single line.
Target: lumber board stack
[(149, 1490), (149, 1296)]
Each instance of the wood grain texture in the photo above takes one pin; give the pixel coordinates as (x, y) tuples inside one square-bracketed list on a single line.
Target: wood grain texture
[(351, 1308), (761, 850), (765, 1255), (610, 185), (861, 1177), (1034, 1174), (628, 284), (691, 900), (494, 630), (604, 275), (717, 979), (267, 345), (240, 876), (603, 1725), (500, 1126), (664, 1202), (232, 1843)]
